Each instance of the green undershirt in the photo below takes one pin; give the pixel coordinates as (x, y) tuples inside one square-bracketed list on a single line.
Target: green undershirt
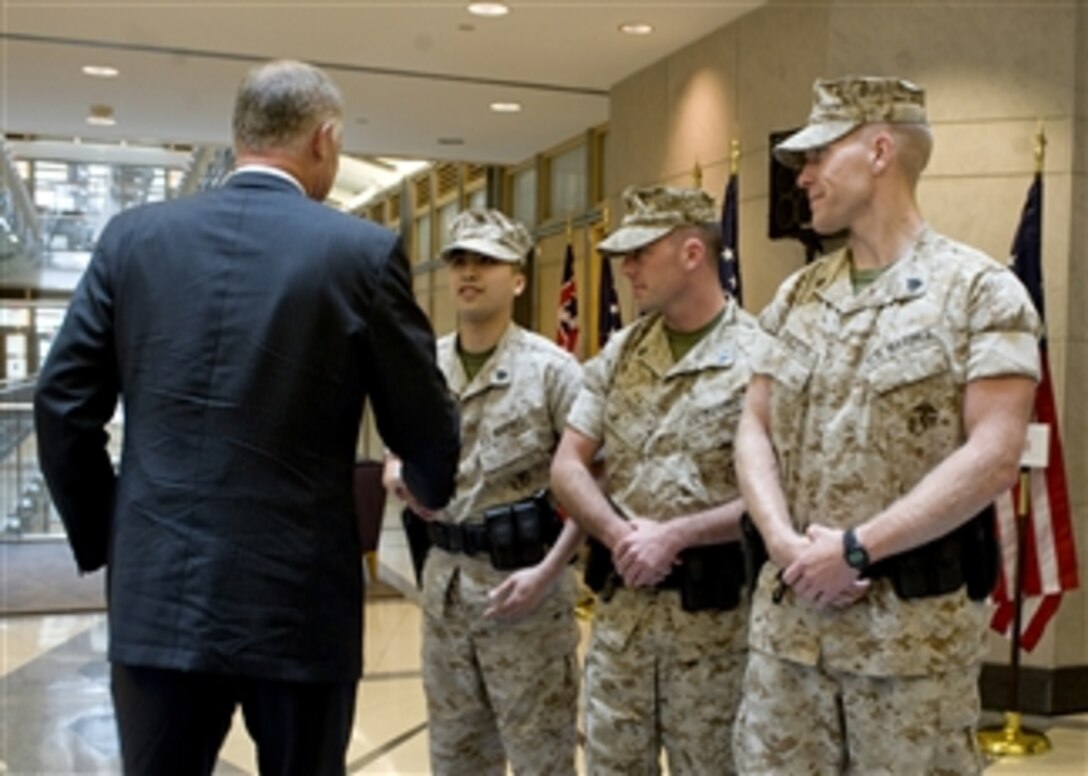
[(473, 362), (861, 279), (681, 342)]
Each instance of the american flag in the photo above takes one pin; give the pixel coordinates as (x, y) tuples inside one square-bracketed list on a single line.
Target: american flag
[(729, 262), (608, 309), (1050, 556), (567, 332)]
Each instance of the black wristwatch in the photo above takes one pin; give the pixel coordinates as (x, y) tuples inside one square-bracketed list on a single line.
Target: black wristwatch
[(857, 557)]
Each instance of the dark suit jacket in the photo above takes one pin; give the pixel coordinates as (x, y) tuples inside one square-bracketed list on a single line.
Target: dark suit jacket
[(243, 329)]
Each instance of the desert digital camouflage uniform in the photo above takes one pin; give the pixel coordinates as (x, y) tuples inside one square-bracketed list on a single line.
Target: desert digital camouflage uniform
[(501, 690), (867, 399), (655, 674)]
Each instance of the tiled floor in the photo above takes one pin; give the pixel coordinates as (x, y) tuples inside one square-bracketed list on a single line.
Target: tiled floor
[(56, 716)]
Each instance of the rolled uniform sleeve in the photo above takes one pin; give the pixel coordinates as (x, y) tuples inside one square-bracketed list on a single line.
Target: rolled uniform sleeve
[(565, 384), (1005, 328), (587, 415), (768, 355)]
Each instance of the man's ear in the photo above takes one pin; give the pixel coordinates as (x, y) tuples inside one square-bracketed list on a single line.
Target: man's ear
[(323, 139), (519, 281), (692, 252), (881, 151)]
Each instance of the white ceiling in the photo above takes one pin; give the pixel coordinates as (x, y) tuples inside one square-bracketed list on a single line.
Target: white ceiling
[(411, 72)]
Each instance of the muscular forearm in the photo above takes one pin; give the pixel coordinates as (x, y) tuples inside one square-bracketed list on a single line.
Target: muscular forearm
[(577, 490), (948, 496), (761, 488), (570, 539), (711, 526)]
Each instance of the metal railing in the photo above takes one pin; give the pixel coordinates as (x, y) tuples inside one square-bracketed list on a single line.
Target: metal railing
[(26, 510), (20, 231)]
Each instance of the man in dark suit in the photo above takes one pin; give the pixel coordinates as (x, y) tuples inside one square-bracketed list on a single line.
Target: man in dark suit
[(243, 329)]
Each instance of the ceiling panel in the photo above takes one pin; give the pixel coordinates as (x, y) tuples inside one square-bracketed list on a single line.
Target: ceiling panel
[(411, 72)]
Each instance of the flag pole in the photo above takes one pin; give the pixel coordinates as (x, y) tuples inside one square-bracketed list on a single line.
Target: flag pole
[(1040, 148), (697, 175), (1011, 738)]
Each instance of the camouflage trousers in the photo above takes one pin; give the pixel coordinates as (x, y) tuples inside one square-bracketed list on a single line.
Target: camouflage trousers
[(672, 681), (796, 719), (499, 691)]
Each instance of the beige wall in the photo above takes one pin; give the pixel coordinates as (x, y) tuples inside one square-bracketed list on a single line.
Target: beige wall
[(991, 72)]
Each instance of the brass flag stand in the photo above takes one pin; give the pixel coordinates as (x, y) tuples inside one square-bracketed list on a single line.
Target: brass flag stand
[(1012, 739)]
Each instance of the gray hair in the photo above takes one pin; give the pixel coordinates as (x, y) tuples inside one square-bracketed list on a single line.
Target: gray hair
[(280, 101)]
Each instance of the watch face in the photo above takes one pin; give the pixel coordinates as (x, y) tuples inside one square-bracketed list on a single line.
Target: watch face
[(857, 558), (855, 554)]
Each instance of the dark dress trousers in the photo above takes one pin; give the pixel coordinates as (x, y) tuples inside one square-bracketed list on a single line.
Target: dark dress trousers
[(243, 329)]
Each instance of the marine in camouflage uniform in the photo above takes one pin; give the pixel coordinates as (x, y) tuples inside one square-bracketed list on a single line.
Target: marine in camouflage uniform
[(658, 676), (499, 647), (884, 412)]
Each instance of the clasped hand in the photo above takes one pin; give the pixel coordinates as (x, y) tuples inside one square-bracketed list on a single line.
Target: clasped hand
[(645, 555), (818, 572)]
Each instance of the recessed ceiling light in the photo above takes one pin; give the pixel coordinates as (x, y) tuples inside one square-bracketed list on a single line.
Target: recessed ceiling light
[(488, 9), (451, 141), (506, 107), (101, 116), (636, 28), (101, 71)]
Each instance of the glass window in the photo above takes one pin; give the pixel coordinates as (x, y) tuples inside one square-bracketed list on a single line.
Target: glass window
[(15, 317), (477, 200), (75, 201), (15, 369), (445, 217), (525, 197), (421, 242), (568, 182)]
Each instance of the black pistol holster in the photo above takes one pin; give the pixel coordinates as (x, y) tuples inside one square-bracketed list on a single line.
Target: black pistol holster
[(419, 541), (599, 574), (512, 536), (519, 534), (967, 555), (755, 551), (709, 577)]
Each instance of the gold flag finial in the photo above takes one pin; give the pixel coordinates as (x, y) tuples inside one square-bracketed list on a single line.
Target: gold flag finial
[(570, 231), (734, 157), (697, 175), (606, 217), (1040, 147)]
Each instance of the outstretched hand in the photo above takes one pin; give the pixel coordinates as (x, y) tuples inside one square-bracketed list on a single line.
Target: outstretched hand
[(518, 595), (393, 483)]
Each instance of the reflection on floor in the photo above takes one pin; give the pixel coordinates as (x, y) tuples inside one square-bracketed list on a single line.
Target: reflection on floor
[(57, 719)]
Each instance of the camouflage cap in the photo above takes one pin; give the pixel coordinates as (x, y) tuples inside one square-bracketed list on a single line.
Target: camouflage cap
[(653, 212), (843, 104), (490, 233)]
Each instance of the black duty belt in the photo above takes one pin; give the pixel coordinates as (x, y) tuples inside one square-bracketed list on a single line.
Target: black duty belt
[(464, 538)]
